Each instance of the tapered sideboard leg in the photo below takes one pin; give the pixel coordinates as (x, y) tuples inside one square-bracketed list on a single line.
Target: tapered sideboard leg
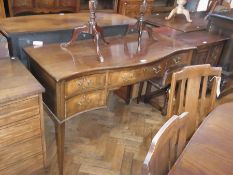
[(60, 134)]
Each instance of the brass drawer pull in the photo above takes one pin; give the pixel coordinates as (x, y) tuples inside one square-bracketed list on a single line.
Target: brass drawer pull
[(127, 77), (84, 100), (157, 69), (177, 60)]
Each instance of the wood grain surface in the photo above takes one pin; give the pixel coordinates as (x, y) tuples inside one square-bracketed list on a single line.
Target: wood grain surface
[(210, 150)]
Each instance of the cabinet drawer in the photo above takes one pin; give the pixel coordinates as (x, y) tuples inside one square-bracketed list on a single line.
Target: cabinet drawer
[(18, 152), (19, 131), (25, 167), (85, 101), (84, 84), (125, 77), (178, 59), (154, 70), (19, 110)]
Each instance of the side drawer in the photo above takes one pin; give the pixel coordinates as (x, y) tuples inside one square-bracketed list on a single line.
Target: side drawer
[(85, 101), (124, 77), (84, 84), (18, 152), (19, 110), (19, 131), (154, 70), (178, 59)]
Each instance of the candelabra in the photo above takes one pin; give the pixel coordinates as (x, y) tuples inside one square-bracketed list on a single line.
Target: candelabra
[(91, 28), (140, 25)]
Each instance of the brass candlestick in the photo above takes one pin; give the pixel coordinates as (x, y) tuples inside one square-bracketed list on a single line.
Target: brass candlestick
[(140, 25), (91, 28)]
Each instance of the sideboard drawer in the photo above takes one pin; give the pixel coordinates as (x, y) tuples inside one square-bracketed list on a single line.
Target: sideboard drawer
[(154, 70), (19, 110), (85, 102), (125, 77), (19, 131), (20, 151), (84, 84), (178, 59)]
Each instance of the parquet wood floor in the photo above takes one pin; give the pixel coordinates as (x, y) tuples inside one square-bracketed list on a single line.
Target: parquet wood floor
[(112, 141)]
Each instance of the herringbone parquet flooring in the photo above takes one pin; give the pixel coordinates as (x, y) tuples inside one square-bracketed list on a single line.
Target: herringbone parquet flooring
[(112, 141)]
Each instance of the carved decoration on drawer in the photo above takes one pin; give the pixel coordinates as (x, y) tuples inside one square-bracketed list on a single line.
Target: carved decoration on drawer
[(85, 84), (85, 102)]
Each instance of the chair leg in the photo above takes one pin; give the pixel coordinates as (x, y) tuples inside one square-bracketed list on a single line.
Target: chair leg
[(164, 108), (140, 92), (148, 91)]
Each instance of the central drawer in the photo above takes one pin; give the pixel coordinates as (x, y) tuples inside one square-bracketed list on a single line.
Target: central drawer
[(85, 84), (85, 102)]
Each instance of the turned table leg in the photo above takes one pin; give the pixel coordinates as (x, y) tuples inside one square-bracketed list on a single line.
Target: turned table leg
[(60, 134)]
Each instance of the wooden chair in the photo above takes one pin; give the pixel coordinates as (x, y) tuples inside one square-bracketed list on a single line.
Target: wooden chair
[(194, 89), (162, 86), (166, 146)]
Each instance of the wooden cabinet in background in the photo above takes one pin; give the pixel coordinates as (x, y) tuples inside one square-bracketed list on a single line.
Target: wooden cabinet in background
[(132, 7), (27, 7), (2, 9), (22, 143)]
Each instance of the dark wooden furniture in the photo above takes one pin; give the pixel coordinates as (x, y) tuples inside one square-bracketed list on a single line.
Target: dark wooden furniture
[(132, 7), (22, 142), (2, 9), (222, 23), (55, 28), (210, 150), (179, 21), (163, 5), (23, 7), (166, 146), (209, 46), (188, 93), (76, 82)]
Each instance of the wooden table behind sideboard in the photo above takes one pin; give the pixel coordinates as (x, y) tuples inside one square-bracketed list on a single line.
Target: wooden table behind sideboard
[(210, 150)]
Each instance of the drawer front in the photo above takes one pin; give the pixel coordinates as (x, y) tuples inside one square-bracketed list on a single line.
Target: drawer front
[(85, 101), (19, 110), (214, 55), (85, 84), (25, 167), (19, 131), (125, 77), (154, 70), (200, 57), (178, 59), (21, 151)]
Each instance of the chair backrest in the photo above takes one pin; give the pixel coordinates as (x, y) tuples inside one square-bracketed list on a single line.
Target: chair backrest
[(194, 89), (166, 146)]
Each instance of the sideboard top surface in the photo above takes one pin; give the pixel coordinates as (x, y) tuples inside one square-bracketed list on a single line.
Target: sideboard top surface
[(56, 22), (16, 81), (179, 21), (81, 57)]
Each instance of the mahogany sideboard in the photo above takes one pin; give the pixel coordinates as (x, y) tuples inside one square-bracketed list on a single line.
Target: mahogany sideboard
[(210, 150), (22, 7), (76, 82), (55, 28), (22, 142)]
